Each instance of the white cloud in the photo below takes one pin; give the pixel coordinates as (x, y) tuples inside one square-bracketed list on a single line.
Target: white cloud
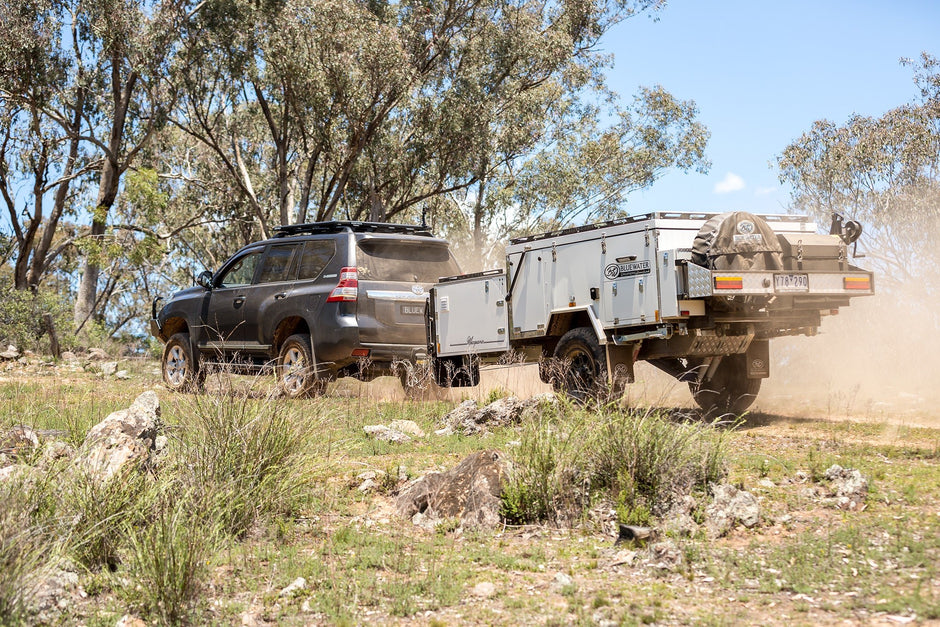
[(765, 191), (731, 183)]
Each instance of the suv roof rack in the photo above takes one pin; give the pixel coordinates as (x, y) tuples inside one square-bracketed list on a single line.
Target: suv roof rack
[(336, 226)]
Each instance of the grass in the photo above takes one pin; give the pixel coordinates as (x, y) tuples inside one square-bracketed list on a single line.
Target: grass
[(254, 492)]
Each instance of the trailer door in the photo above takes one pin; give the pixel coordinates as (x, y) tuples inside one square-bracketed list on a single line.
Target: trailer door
[(631, 286)]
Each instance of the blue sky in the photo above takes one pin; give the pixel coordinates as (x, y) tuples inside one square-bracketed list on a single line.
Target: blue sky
[(761, 73)]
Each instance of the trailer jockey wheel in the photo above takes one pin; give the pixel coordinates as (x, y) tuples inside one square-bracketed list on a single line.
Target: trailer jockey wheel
[(581, 364), (729, 390)]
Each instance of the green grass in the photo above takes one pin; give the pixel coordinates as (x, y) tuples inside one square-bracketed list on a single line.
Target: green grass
[(255, 491)]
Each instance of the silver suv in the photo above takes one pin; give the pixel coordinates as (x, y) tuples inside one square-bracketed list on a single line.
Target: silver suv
[(317, 301)]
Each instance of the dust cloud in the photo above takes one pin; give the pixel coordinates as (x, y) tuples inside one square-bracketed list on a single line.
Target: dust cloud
[(876, 360)]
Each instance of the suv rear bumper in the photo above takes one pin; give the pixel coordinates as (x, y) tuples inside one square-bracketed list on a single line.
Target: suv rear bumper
[(396, 352)]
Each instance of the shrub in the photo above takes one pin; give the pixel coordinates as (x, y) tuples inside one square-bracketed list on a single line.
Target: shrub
[(244, 458), (640, 460), (21, 317), (168, 558), (28, 543), (100, 512)]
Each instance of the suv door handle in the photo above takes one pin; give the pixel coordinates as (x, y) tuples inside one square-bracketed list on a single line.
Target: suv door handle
[(280, 296), (239, 300)]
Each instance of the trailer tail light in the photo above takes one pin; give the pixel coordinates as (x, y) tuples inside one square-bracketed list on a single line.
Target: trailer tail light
[(729, 283), (348, 287), (857, 283), (360, 352)]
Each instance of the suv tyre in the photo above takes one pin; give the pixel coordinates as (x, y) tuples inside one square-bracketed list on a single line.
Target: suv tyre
[(296, 372), (181, 371)]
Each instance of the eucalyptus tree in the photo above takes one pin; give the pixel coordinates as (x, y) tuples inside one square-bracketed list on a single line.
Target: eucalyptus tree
[(105, 95), (39, 155), (379, 110), (884, 172)]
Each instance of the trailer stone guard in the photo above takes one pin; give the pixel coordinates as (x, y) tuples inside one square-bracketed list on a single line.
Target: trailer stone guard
[(697, 295)]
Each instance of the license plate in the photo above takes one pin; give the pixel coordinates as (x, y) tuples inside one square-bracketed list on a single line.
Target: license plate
[(791, 282), (412, 310)]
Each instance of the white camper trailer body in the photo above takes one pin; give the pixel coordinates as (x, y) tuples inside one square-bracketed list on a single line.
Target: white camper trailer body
[(635, 287)]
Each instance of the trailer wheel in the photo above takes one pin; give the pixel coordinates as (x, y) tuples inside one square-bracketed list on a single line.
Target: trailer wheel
[(729, 390), (580, 363)]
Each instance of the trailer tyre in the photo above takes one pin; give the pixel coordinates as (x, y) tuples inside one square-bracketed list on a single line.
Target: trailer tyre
[(580, 365), (729, 390)]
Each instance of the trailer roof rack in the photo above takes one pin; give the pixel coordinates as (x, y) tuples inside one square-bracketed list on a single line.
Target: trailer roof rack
[(337, 226), (660, 215)]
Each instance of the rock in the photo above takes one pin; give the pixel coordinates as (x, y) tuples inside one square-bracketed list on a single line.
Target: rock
[(97, 354), (407, 426), (664, 556), (848, 486), (54, 592), (295, 586), (69, 356), (129, 620), (561, 581), (108, 368), (122, 375), (729, 506), (470, 419), (54, 451), (125, 436), (18, 441), (369, 485), (10, 353), (484, 589), (10, 472), (384, 434), (678, 520), (470, 492), (630, 533)]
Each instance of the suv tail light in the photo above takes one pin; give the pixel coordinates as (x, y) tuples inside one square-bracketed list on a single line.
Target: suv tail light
[(348, 287)]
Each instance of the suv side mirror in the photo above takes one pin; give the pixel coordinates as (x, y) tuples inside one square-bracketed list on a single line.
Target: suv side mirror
[(205, 279)]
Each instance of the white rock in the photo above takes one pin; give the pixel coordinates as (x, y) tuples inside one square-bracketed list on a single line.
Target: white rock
[(562, 580), (296, 586), (407, 426), (484, 589)]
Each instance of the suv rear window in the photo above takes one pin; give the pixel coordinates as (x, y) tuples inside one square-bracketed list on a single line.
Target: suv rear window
[(384, 260)]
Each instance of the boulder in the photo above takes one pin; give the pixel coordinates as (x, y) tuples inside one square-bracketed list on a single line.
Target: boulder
[(10, 353), (729, 506), (471, 419), (125, 436), (469, 492)]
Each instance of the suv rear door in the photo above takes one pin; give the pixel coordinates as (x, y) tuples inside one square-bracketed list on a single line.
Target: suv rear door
[(269, 299), (395, 275)]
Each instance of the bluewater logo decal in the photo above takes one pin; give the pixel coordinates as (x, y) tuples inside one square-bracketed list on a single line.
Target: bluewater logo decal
[(620, 270)]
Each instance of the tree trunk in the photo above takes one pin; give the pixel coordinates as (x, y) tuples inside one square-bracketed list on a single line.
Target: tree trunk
[(87, 295)]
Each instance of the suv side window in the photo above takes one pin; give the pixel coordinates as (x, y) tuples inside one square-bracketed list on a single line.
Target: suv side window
[(278, 263), (317, 252), (242, 271)]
